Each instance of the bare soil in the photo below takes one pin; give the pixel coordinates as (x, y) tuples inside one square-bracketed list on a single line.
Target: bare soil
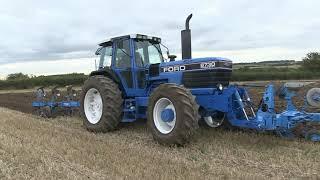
[(18, 101)]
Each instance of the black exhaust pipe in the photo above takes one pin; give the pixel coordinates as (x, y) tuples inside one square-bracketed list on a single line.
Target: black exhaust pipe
[(186, 40)]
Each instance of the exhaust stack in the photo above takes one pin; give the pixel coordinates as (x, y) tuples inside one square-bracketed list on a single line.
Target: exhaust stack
[(186, 40)]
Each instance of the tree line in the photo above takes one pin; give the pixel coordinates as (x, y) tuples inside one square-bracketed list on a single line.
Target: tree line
[(310, 69)]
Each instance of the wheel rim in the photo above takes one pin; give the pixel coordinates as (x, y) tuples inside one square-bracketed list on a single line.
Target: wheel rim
[(161, 125), (93, 106), (214, 122)]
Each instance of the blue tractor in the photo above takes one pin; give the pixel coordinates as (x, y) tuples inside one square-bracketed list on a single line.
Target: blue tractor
[(134, 81)]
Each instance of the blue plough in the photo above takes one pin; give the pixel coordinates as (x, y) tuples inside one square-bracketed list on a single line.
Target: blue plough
[(290, 123), (47, 108)]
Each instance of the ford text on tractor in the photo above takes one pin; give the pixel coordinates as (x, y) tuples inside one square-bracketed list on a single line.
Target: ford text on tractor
[(134, 81)]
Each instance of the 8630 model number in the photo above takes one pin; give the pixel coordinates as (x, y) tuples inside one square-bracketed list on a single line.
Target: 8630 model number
[(208, 65)]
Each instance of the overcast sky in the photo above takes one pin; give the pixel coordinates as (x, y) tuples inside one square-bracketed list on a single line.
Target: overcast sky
[(44, 31)]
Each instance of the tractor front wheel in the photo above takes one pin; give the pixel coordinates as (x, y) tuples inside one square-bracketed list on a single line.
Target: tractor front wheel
[(172, 114), (101, 104)]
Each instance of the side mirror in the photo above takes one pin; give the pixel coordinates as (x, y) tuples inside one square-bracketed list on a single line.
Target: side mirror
[(172, 57)]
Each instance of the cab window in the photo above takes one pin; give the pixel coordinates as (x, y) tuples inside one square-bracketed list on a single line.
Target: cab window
[(154, 54), (147, 53), (123, 54), (105, 56)]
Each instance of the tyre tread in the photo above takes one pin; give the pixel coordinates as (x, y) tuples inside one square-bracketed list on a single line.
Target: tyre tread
[(112, 104), (189, 122)]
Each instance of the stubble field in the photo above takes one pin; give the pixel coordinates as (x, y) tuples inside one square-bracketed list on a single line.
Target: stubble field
[(60, 148)]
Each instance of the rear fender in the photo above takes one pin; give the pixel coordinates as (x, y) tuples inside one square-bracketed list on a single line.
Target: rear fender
[(108, 72)]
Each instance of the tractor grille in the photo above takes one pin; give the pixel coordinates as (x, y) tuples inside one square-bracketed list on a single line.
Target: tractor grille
[(206, 78)]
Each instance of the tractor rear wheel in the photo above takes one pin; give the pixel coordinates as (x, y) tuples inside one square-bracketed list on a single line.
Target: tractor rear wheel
[(101, 104), (172, 114)]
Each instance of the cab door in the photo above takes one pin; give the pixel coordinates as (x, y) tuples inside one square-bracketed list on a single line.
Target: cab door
[(145, 53), (122, 65), (139, 70)]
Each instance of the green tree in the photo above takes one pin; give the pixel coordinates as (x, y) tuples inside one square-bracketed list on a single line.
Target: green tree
[(15, 76), (312, 61)]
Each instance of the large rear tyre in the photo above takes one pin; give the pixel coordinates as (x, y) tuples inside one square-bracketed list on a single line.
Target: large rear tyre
[(101, 104), (172, 114)]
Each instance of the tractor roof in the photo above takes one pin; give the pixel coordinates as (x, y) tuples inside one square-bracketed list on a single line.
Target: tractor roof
[(132, 36)]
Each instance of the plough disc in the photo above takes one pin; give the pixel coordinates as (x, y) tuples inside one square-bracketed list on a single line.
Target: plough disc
[(313, 97), (40, 94)]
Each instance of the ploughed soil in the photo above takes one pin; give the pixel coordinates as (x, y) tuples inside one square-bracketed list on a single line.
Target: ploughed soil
[(23, 101), (18, 101)]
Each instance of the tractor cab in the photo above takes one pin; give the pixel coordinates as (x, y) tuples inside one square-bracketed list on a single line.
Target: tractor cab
[(126, 59)]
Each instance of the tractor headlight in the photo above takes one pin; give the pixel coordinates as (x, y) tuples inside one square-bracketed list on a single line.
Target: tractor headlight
[(220, 87)]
